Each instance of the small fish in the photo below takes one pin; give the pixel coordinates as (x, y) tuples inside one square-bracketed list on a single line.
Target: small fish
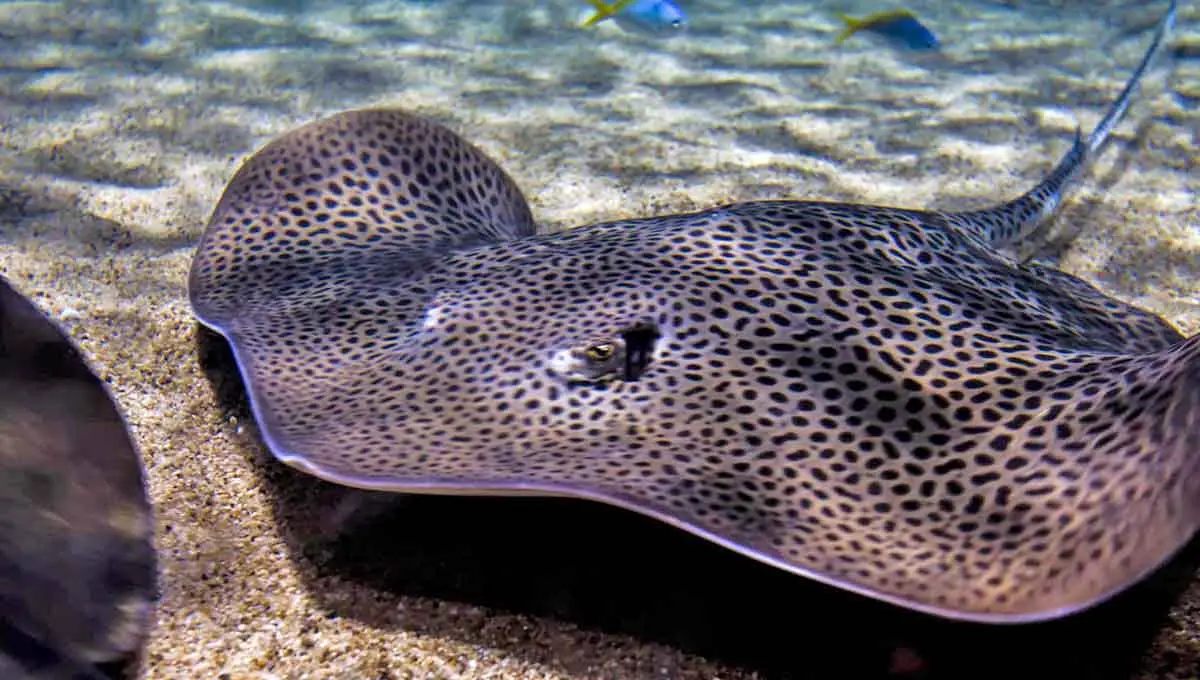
[(899, 26), (641, 16)]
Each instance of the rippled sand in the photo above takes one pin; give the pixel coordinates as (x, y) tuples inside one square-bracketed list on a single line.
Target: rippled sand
[(121, 122)]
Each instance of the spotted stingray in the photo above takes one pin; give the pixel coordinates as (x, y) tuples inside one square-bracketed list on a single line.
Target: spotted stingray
[(77, 564), (872, 397)]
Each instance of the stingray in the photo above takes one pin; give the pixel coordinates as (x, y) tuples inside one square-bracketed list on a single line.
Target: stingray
[(77, 566), (876, 398)]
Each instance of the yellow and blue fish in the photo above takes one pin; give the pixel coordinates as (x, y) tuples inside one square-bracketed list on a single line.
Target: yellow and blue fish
[(643, 16), (900, 27)]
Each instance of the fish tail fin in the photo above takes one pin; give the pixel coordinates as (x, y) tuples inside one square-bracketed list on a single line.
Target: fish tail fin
[(1004, 224), (852, 26), (605, 10)]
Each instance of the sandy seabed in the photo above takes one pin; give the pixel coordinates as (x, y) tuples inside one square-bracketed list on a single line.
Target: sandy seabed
[(120, 123)]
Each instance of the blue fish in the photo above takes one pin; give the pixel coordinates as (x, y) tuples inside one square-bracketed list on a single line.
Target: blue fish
[(643, 16), (900, 27)]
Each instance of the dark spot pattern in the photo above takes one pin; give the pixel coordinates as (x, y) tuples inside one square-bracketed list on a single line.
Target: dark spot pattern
[(869, 396)]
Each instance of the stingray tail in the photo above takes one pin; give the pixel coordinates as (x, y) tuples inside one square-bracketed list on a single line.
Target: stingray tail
[(1009, 222)]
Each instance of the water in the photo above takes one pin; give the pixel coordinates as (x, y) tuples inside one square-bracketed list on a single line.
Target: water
[(120, 123)]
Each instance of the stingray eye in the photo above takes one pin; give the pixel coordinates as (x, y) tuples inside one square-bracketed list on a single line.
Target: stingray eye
[(622, 357), (602, 352)]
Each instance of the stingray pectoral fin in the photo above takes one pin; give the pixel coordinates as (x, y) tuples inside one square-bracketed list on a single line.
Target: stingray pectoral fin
[(1142, 464), (356, 188), (1110, 463)]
